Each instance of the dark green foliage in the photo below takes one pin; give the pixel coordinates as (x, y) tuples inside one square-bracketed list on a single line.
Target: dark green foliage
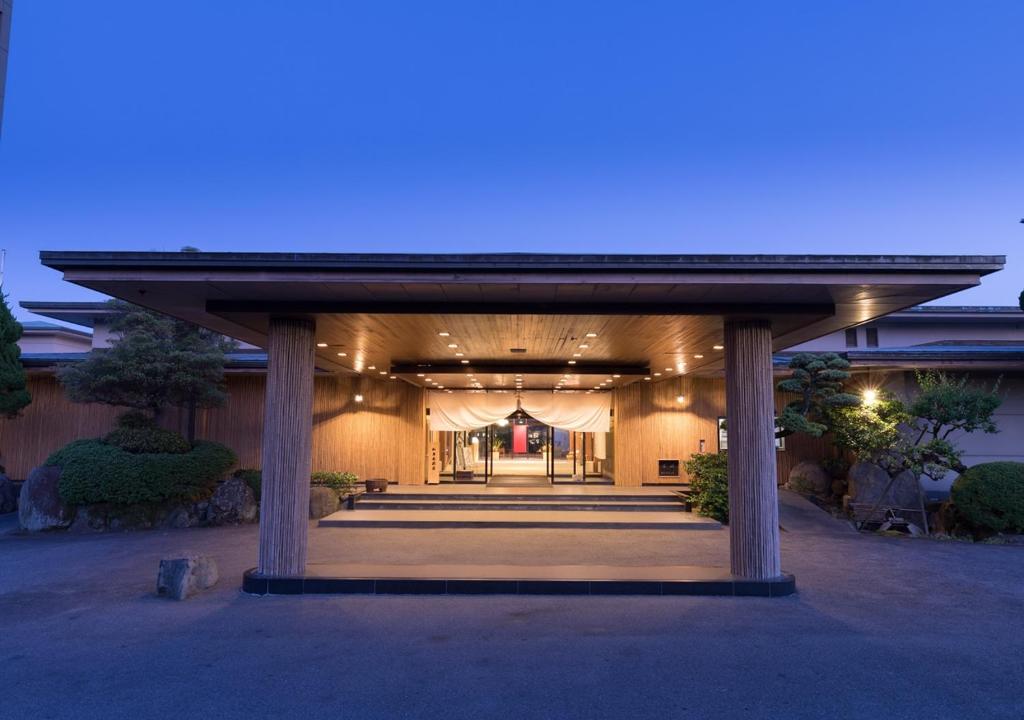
[(340, 481), (95, 472), (137, 433), (709, 484), (14, 393), (873, 433), (818, 380), (946, 404), (253, 477), (990, 497), (156, 362)]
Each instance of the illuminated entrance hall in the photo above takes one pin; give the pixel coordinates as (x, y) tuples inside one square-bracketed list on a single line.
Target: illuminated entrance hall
[(370, 359), (523, 451)]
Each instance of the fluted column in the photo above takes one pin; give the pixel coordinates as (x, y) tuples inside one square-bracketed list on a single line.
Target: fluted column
[(287, 447), (750, 424)]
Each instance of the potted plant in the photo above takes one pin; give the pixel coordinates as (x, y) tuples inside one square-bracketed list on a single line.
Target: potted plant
[(496, 445)]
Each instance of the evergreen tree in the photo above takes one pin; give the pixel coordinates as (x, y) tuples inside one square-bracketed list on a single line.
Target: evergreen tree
[(818, 381), (14, 393), (156, 362)]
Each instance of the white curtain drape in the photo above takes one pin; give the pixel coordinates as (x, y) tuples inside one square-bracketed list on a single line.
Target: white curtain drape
[(579, 412), (468, 411)]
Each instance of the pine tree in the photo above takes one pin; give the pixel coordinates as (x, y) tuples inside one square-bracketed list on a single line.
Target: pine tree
[(14, 393), (156, 362)]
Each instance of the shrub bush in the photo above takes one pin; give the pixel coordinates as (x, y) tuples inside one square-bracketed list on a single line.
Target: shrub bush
[(709, 485), (340, 481), (990, 497), (136, 432), (253, 477), (93, 471)]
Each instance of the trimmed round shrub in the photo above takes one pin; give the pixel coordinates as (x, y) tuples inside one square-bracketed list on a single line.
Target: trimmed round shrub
[(340, 481), (93, 471), (137, 432), (709, 485), (990, 497)]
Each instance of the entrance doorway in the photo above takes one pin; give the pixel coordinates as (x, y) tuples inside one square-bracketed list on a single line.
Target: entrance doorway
[(520, 451)]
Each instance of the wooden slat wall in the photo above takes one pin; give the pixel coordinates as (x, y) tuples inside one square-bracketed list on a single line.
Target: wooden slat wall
[(384, 436), (651, 425)]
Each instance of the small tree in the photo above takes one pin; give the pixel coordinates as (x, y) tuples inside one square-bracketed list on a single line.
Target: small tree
[(818, 380), (156, 362), (14, 394)]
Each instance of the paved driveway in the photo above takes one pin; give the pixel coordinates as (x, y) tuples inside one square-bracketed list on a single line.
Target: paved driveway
[(881, 627)]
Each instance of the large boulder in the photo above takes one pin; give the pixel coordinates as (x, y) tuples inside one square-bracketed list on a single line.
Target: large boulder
[(867, 481), (232, 502), (810, 479), (322, 501), (39, 504), (183, 576), (8, 495)]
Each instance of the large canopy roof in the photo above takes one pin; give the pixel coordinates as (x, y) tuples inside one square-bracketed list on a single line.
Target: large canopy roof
[(479, 320)]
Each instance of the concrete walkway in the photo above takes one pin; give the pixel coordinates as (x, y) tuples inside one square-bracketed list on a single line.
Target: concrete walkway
[(881, 627)]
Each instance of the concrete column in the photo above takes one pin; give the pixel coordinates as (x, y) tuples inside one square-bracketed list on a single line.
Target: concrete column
[(287, 447), (750, 424)]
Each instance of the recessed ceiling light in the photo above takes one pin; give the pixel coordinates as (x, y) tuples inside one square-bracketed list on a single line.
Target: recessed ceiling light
[(597, 387), (453, 345), (391, 378), (572, 362), (657, 374), (718, 347), (577, 354), (591, 334), (372, 367), (419, 375), (459, 354), (321, 344), (444, 334), (464, 362), (383, 372), (646, 378), (440, 387), (698, 356), (584, 346), (429, 380), (616, 376), (668, 369), (342, 354)]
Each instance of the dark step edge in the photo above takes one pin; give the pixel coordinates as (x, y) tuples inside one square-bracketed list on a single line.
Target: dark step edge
[(732, 587), (511, 524)]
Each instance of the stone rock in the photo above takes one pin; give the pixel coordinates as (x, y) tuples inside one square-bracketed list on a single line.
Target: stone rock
[(322, 502), (233, 502), (87, 519), (178, 518), (181, 577), (809, 478), (39, 504), (866, 482), (8, 495)]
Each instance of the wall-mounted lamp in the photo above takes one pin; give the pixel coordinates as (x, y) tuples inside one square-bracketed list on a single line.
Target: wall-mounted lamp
[(358, 398), (680, 399), (870, 397)]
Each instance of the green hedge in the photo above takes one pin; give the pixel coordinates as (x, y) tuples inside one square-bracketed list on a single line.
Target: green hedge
[(253, 477), (990, 497), (709, 485), (341, 481), (94, 472), (147, 440)]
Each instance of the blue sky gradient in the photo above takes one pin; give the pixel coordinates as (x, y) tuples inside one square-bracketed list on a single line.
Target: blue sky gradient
[(747, 127)]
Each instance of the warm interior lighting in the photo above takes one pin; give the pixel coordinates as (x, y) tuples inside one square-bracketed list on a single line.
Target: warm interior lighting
[(584, 346), (459, 354), (502, 423), (321, 344), (572, 362), (698, 356), (444, 334), (392, 377), (419, 374), (616, 376), (342, 354), (372, 367), (591, 334), (680, 399), (358, 398), (464, 362), (453, 345), (870, 397), (718, 347), (657, 374), (646, 378)]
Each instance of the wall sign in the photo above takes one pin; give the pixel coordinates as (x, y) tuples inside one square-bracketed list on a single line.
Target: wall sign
[(723, 436)]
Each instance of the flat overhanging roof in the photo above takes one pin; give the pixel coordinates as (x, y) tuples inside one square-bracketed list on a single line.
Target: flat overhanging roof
[(539, 315)]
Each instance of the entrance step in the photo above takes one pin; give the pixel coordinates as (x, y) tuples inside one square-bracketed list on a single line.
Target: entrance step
[(581, 505), (577, 519)]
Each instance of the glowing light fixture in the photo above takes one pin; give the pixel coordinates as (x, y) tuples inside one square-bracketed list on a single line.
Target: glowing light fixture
[(464, 362), (718, 347), (358, 398), (502, 423), (680, 399), (444, 334), (591, 334), (698, 356), (342, 354), (870, 397), (572, 362), (321, 344), (453, 345)]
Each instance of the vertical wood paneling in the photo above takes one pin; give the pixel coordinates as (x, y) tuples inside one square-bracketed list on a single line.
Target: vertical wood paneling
[(287, 448), (753, 492)]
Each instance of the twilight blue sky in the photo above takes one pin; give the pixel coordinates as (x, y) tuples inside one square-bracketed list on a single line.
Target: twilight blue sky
[(681, 127)]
